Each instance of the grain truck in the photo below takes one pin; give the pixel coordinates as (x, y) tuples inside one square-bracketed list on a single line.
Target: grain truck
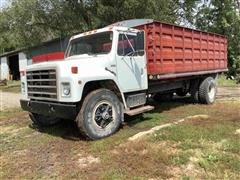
[(111, 72)]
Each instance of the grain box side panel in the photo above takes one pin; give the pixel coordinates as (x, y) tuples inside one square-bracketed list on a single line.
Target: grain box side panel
[(177, 50)]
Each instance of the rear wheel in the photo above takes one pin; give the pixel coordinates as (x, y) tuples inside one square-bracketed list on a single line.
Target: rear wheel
[(207, 91), (194, 91), (43, 121), (101, 114)]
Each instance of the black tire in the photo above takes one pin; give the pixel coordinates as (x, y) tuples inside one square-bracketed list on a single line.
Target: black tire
[(163, 97), (207, 91), (101, 114), (194, 91), (43, 121)]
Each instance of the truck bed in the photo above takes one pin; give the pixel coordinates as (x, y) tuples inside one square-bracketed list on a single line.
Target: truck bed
[(175, 51)]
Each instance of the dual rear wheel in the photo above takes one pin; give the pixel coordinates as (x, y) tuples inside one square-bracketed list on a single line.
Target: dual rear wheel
[(207, 91), (201, 91), (204, 91)]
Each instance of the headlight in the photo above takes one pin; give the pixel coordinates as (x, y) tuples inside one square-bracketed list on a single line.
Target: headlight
[(66, 89), (23, 88)]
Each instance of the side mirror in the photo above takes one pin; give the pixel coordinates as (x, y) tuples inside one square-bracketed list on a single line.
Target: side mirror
[(140, 41)]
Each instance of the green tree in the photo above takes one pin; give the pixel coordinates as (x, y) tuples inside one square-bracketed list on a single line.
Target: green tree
[(222, 16), (28, 22)]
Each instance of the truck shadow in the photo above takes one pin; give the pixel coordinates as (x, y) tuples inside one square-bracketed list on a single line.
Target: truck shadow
[(159, 108), (67, 129)]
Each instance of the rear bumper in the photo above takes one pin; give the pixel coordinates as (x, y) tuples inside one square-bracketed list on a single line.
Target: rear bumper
[(65, 111)]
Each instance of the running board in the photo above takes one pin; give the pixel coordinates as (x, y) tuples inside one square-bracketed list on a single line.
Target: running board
[(139, 110)]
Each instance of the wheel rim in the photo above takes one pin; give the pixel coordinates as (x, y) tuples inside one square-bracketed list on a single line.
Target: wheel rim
[(211, 92), (103, 114)]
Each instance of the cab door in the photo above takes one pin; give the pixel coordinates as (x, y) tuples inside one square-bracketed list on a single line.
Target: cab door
[(131, 61)]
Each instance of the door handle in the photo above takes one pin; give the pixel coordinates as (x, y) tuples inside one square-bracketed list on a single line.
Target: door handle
[(141, 71), (110, 71)]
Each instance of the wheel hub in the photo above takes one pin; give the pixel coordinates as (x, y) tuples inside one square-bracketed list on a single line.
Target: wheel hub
[(103, 114), (211, 92)]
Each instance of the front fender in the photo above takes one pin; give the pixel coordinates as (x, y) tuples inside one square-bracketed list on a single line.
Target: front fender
[(79, 81)]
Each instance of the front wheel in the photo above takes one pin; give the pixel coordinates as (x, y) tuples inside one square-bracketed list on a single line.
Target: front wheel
[(101, 114)]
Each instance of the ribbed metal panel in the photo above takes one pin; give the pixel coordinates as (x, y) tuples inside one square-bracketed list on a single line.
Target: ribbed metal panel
[(42, 84)]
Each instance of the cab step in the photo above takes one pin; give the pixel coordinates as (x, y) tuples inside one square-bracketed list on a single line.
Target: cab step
[(139, 110)]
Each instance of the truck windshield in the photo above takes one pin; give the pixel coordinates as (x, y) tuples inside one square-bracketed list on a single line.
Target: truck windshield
[(100, 43)]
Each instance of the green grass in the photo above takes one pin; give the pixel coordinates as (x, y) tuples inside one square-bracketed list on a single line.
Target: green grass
[(181, 158), (9, 112), (224, 82), (114, 174), (194, 149), (12, 86), (217, 146)]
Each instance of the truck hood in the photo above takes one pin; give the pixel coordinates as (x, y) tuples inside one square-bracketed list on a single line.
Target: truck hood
[(87, 63)]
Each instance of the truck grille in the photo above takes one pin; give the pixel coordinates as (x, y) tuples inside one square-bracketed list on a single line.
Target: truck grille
[(42, 84)]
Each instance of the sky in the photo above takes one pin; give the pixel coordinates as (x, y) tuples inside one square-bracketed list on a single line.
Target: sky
[(3, 3)]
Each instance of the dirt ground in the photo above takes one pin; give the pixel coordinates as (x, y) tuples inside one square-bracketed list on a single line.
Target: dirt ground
[(60, 152), (228, 93), (9, 100)]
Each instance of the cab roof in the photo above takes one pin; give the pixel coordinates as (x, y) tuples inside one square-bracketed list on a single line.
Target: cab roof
[(105, 29)]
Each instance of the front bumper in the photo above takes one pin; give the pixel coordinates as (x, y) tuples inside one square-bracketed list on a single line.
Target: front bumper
[(65, 111)]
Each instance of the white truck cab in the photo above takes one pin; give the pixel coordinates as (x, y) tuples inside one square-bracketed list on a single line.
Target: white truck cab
[(104, 74)]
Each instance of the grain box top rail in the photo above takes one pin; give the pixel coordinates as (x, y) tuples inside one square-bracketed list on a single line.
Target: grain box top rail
[(131, 23)]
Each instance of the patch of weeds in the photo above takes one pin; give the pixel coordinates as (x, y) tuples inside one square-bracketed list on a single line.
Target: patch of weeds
[(194, 134), (189, 144), (207, 161), (231, 145), (137, 178), (162, 156), (141, 159), (180, 133), (230, 162), (114, 174), (21, 138), (181, 158), (18, 143), (223, 81), (217, 161), (107, 144), (146, 120), (15, 135), (186, 178), (9, 112)]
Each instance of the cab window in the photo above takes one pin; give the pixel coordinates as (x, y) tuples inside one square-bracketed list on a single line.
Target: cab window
[(129, 45)]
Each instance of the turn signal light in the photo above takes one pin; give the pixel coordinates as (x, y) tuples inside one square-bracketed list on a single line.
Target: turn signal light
[(74, 70), (22, 73)]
